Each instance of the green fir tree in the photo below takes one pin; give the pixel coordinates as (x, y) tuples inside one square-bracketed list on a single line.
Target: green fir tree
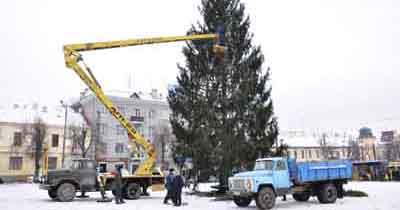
[(222, 112)]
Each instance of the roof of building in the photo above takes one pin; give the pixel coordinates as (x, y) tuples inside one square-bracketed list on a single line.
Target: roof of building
[(130, 96), (28, 113), (154, 95), (312, 141)]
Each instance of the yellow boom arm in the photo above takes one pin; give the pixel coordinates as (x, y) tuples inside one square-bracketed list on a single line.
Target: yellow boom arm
[(73, 60)]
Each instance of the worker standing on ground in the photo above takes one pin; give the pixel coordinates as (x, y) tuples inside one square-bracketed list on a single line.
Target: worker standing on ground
[(168, 185), (177, 186), (118, 184)]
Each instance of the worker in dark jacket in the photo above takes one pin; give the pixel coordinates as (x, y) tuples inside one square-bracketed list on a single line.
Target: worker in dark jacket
[(168, 185), (118, 184), (177, 186)]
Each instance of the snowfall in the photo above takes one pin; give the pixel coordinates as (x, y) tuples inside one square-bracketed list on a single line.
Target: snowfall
[(382, 196)]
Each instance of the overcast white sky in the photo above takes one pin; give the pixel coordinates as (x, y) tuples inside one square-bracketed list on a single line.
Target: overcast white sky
[(335, 64)]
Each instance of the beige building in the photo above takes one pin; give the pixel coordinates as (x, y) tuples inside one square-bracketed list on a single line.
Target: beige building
[(304, 147), (17, 151), (315, 153), (368, 148), (367, 143)]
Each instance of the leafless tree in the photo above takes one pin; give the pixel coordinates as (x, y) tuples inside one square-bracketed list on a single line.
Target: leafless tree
[(79, 140), (354, 150), (39, 131), (324, 145), (162, 139)]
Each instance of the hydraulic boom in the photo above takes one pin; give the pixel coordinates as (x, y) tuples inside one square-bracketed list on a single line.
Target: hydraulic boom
[(74, 60)]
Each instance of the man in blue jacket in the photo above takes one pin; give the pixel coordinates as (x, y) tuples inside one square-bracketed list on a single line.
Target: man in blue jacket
[(177, 185), (168, 185)]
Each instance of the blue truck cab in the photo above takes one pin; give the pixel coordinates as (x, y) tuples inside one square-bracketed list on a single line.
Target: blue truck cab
[(279, 176)]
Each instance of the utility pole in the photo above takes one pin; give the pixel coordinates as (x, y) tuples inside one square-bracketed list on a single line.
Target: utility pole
[(97, 138), (65, 106)]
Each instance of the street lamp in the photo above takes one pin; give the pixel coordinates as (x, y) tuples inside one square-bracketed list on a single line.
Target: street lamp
[(65, 106)]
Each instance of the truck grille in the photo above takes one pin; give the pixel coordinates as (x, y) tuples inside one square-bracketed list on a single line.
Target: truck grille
[(238, 184)]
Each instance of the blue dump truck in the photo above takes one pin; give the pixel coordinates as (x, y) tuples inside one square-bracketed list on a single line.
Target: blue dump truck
[(279, 176)]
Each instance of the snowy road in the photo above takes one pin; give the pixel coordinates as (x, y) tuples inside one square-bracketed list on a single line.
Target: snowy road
[(382, 196)]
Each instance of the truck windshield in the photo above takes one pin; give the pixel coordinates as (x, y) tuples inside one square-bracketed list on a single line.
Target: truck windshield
[(263, 165)]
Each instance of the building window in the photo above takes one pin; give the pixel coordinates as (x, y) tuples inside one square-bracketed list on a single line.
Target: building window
[(310, 153), (54, 140), (120, 130), (103, 129), (119, 148), (318, 153), (302, 154), (137, 113), (295, 154), (52, 162), (17, 139), (15, 163), (103, 109), (138, 127), (75, 146)]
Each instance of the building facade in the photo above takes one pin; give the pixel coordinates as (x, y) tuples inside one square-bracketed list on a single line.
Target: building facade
[(367, 144), (389, 146), (306, 148), (149, 114), (304, 154), (18, 150)]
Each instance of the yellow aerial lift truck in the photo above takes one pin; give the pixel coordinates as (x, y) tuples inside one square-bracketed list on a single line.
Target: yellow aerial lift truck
[(62, 184)]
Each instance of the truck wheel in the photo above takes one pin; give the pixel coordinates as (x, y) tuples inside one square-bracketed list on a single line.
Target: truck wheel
[(327, 193), (242, 201), (301, 197), (265, 198), (132, 191), (52, 194), (66, 192)]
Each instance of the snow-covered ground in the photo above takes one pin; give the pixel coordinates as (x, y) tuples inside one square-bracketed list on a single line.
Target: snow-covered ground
[(382, 196)]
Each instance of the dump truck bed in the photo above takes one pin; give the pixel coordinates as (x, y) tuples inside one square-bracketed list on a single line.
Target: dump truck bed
[(320, 171)]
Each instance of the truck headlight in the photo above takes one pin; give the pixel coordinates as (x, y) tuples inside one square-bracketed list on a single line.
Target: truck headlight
[(249, 184)]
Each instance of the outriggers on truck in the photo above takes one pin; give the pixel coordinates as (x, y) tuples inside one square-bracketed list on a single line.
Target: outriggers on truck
[(280, 176)]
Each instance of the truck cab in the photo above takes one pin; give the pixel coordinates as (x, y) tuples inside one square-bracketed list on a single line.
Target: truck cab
[(272, 172), (62, 184)]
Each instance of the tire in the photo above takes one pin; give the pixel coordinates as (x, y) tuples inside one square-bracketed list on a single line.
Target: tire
[(301, 197), (132, 191), (66, 192), (327, 193), (52, 194), (242, 201), (265, 198)]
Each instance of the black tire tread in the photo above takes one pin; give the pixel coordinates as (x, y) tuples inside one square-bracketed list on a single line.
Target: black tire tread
[(261, 193), (242, 201)]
